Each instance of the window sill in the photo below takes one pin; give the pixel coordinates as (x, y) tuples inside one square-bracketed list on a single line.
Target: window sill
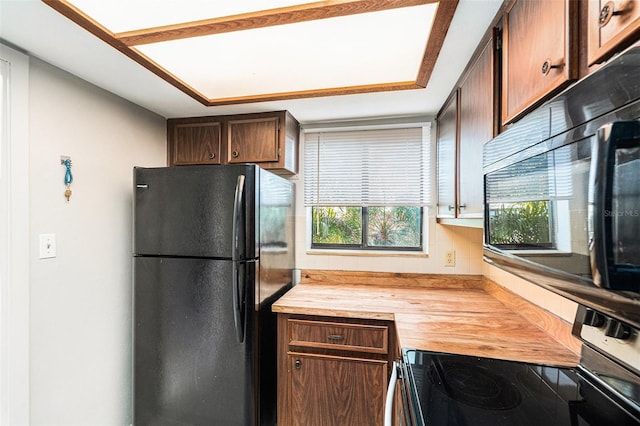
[(367, 253)]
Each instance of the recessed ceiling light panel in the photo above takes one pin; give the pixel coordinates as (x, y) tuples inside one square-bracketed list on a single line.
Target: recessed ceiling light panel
[(127, 15), (260, 50), (354, 50)]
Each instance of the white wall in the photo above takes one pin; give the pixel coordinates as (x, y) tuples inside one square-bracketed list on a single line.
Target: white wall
[(467, 242), (81, 300), (552, 302)]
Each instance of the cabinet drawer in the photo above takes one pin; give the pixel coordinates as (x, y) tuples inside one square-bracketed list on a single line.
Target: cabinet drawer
[(342, 336)]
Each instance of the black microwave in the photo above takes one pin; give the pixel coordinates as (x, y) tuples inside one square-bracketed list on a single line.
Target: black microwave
[(562, 192), (613, 215)]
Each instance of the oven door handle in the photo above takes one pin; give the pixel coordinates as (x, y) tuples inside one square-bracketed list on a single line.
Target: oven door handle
[(391, 391)]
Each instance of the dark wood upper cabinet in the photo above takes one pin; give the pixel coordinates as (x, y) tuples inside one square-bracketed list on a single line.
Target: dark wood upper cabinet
[(195, 143), (611, 26), (253, 140), (447, 151), (269, 139), (476, 100), (465, 123), (539, 53)]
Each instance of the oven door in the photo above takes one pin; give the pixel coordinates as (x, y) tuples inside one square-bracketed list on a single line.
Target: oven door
[(411, 386), (398, 409)]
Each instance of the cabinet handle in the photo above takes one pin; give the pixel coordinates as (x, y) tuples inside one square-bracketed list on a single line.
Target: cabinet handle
[(451, 207), (212, 155), (335, 337), (298, 364), (235, 154), (607, 12), (462, 206), (547, 66)]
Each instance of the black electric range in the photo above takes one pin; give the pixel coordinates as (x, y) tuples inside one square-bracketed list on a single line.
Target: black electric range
[(453, 390)]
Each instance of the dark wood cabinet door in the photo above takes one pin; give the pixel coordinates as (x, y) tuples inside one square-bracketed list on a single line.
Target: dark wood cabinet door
[(268, 138), (253, 140), (476, 127), (446, 163), (611, 26), (195, 143), (539, 53), (334, 391)]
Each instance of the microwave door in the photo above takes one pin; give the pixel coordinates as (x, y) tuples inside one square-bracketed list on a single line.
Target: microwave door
[(614, 206)]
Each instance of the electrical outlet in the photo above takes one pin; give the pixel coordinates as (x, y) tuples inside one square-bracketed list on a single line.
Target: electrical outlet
[(450, 258)]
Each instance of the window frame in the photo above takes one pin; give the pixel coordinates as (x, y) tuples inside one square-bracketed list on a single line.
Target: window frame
[(424, 122), (364, 233)]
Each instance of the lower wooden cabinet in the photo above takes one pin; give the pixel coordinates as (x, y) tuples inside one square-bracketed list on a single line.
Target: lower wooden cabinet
[(330, 390), (332, 371)]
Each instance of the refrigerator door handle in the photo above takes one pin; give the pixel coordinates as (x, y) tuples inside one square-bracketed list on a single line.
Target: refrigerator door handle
[(238, 300), (237, 218)]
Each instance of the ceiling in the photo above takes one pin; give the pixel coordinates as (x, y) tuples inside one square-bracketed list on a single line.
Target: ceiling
[(317, 79)]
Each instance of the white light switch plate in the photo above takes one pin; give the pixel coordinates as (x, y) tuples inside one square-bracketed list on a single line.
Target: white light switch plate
[(47, 246)]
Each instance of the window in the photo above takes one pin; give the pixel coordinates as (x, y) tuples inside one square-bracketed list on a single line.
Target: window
[(368, 189), (529, 203)]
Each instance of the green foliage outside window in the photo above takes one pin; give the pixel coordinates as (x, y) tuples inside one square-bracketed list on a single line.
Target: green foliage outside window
[(525, 223), (367, 227), (337, 225)]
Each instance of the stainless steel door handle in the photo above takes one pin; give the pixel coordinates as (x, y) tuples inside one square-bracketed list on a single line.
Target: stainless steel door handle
[(391, 392)]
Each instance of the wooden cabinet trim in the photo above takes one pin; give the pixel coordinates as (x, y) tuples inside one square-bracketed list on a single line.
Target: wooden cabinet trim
[(346, 336), (337, 357)]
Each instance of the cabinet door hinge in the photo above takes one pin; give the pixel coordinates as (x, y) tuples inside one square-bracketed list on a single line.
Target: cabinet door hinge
[(498, 40)]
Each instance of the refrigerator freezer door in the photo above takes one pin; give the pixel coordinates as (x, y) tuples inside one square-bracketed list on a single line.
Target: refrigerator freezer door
[(189, 368), (188, 211)]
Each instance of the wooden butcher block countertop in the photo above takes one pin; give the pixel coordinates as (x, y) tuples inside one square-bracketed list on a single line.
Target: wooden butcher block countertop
[(466, 315)]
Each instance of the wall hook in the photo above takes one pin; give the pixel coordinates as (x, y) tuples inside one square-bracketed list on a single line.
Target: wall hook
[(68, 176)]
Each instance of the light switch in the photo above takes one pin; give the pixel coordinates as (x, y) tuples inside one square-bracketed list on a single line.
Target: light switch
[(47, 246)]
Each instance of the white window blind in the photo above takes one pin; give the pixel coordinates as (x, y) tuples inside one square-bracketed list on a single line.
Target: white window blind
[(543, 177), (382, 167)]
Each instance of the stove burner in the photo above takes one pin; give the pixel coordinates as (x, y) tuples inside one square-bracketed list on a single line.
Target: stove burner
[(473, 385)]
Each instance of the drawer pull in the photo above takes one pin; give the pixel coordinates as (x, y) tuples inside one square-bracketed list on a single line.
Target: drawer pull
[(335, 337), (298, 364)]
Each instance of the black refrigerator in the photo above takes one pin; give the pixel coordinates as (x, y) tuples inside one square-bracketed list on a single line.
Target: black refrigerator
[(213, 248)]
